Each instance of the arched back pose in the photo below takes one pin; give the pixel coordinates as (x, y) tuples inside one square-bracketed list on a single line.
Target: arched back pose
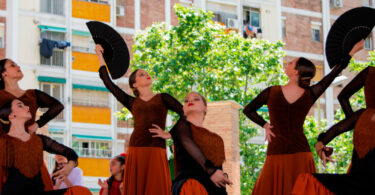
[(146, 168)]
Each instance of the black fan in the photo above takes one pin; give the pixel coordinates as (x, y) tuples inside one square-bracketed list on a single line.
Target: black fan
[(116, 53), (351, 27)]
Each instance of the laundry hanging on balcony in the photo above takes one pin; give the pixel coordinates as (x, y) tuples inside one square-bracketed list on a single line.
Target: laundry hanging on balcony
[(47, 45)]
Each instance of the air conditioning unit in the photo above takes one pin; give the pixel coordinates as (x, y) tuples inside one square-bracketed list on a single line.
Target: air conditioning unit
[(336, 4), (231, 23), (120, 10)]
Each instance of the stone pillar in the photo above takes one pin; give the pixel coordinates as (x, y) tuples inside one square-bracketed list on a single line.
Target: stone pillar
[(223, 118)]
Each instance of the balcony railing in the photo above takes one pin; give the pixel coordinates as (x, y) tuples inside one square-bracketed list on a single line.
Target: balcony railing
[(93, 153), (57, 59)]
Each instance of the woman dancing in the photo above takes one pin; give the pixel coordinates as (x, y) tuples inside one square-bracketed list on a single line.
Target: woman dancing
[(10, 75), (146, 168), (199, 153), (360, 178), (21, 154), (288, 152)]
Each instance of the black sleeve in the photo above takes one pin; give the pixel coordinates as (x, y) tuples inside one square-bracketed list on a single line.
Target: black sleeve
[(172, 104), (356, 84), (183, 134), (53, 105), (343, 126), (54, 147), (318, 89), (120, 95), (250, 110)]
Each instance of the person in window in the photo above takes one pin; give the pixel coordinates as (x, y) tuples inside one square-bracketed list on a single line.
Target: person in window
[(75, 177), (199, 152), (112, 186), (10, 75), (146, 169), (288, 152), (21, 154)]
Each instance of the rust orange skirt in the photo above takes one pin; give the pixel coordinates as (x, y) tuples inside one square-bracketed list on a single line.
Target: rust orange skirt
[(307, 184), (281, 171), (147, 172), (193, 187), (78, 190)]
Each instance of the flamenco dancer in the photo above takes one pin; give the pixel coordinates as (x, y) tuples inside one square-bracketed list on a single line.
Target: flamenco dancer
[(22, 154), (199, 153), (288, 152), (10, 75), (146, 167), (361, 177)]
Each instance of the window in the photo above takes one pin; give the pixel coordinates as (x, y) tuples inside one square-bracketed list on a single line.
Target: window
[(83, 44), (57, 58), (90, 98), (368, 42), (315, 33), (252, 17), (92, 148), (55, 90), (52, 6), (283, 27)]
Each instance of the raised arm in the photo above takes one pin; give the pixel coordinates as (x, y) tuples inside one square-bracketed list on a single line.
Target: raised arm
[(318, 89), (172, 104), (53, 105), (250, 110), (356, 84), (120, 95)]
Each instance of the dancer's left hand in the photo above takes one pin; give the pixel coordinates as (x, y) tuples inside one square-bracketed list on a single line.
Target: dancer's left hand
[(32, 128), (65, 171), (159, 132), (319, 147)]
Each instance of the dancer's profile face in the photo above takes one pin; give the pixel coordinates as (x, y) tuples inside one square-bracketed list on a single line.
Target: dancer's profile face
[(290, 68), (12, 71), (20, 111), (194, 103), (142, 79)]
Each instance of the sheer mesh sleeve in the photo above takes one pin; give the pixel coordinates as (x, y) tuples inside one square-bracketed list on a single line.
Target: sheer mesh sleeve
[(251, 109), (318, 89), (184, 135), (54, 147), (172, 104), (343, 126), (53, 105), (356, 84), (120, 95)]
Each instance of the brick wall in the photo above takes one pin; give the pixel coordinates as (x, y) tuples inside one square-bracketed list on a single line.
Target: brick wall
[(223, 118), (314, 5)]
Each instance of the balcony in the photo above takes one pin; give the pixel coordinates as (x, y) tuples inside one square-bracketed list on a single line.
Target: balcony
[(91, 10)]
